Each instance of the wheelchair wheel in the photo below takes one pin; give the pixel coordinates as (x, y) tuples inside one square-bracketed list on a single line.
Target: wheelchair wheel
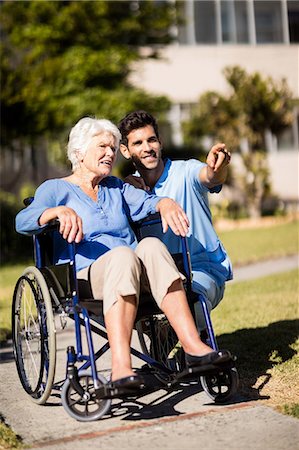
[(34, 335), (158, 340), (221, 386), (88, 407)]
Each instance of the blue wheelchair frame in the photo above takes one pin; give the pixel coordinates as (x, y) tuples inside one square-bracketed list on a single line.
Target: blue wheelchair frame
[(81, 312), (78, 356)]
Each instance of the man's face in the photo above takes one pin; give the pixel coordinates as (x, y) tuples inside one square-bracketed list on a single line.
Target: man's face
[(144, 148)]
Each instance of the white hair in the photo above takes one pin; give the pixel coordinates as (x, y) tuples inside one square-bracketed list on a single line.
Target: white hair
[(83, 132)]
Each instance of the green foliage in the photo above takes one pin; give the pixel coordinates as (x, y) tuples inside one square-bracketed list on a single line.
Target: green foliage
[(254, 106), (63, 60), (216, 116), (265, 103), (14, 247)]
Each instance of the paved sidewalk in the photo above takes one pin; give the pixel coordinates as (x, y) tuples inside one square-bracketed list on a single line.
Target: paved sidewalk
[(184, 418), (265, 268)]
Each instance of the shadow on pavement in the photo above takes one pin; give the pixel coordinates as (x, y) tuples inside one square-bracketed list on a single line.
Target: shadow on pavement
[(254, 347), (6, 353)]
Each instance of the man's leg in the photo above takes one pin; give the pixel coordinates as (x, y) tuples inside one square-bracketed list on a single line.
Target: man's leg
[(166, 286), (203, 283)]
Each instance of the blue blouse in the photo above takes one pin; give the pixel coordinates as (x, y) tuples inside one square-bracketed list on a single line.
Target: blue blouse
[(105, 222)]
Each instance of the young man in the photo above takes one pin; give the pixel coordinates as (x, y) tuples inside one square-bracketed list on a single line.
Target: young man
[(187, 182)]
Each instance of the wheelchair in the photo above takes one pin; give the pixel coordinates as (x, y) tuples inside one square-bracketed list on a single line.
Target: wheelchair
[(46, 291)]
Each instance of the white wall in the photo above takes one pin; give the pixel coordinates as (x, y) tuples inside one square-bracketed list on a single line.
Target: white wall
[(185, 72), (284, 168)]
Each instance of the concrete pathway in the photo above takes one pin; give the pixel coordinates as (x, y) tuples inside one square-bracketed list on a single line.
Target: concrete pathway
[(264, 268), (184, 418)]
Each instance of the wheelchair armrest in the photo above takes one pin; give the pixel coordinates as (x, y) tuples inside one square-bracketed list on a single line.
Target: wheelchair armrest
[(51, 226), (47, 240), (151, 219), (148, 221), (28, 200)]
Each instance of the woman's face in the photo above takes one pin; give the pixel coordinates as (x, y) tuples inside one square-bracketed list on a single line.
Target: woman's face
[(100, 155)]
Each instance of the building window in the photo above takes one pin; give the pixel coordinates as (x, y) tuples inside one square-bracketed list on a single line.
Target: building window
[(234, 21), (285, 140), (242, 28), (228, 21), (293, 16), (205, 20), (268, 22), (239, 21)]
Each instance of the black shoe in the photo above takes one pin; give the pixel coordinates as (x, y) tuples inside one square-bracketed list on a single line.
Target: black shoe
[(213, 358), (127, 385)]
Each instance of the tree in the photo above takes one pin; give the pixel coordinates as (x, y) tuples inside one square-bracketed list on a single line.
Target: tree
[(62, 60), (254, 106)]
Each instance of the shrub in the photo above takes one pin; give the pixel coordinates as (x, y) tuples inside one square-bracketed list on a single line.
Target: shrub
[(14, 247)]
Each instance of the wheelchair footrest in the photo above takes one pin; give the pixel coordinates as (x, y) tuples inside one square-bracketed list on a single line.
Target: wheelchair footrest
[(209, 369), (108, 392)]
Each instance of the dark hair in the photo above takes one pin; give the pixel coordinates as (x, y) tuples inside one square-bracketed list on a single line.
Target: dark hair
[(135, 120)]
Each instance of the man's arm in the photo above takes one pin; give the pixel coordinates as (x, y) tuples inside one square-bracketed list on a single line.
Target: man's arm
[(137, 182), (215, 172)]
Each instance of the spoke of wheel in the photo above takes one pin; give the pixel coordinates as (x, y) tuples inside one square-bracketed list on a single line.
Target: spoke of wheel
[(219, 386), (75, 402)]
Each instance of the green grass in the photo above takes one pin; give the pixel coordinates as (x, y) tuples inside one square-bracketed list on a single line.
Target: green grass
[(291, 410), (8, 439), (250, 245), (258, 321), (8, 278)]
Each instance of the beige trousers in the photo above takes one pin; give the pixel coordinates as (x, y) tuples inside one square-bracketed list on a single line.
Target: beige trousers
[(123, 271)]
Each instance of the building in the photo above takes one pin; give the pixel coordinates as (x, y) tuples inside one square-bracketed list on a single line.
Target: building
[(260, 36)]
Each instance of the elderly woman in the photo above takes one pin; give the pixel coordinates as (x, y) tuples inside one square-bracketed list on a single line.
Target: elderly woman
[(94, 210)]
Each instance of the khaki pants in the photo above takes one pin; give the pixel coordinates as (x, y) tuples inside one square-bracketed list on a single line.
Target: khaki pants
[(123, 271)]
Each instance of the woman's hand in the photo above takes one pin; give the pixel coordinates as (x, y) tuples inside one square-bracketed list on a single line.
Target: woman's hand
[(70, 223), (174, 216)]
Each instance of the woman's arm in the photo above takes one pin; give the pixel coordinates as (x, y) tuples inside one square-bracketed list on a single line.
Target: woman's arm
[(44, 208), (70, 224)]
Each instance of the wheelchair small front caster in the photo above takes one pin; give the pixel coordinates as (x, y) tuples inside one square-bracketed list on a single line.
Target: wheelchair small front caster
[(84, 406), (221, 386)]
